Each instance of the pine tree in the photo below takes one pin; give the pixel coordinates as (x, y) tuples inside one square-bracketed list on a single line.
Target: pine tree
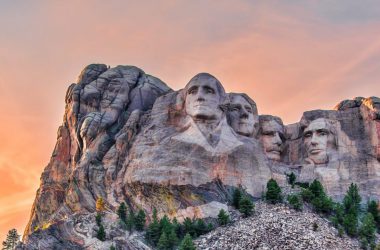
[(200, 227), (122, 212), (236, 197), (153, 231), (100, 205), (130, 223), (352, 200), (210, 227), (165, 225), (350, 224), (176, 226), (172, 238), (101, 234), (246, 206), (187, 243), (367, 230), (140, 220), (188, 227), (163, 242), (273, 194), (12, 240), (317, 189), (373, 208), (295, 201), (307, 195), (292, 179), (98, 219), (223, 217)]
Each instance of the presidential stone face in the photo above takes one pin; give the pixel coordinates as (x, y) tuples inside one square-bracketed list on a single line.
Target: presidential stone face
[(204, 94), (272, 136), (318, 140), (242, 115)]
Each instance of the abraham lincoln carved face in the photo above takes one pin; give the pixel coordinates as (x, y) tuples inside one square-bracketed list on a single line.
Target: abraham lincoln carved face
[(319, 140)]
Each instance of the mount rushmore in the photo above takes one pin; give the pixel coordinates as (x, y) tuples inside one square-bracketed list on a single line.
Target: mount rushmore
[(127, 137)]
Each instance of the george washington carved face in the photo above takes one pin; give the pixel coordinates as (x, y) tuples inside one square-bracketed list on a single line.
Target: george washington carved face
[(203, 96), (242, 115), (319, 140)]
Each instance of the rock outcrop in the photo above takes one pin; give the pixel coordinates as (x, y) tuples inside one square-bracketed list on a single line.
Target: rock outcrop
[(127, 137)]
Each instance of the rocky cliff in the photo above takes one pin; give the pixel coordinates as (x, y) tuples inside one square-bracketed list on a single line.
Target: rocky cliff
[(127, 137)]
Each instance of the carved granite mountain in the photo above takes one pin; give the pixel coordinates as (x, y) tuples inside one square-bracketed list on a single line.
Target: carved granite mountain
[(127, 137)]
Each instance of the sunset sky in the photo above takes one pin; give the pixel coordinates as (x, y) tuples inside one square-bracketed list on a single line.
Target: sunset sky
[(289, 56)]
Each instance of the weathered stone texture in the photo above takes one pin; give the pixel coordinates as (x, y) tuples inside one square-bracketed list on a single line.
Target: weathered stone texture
[(127, 137)]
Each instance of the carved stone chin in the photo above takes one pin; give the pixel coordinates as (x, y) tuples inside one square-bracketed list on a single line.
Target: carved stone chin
[(319, 141)]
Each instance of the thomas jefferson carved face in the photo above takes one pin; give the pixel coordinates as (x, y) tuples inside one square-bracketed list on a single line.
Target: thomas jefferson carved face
[(243, 116), (272, 138), (318, 140), (203, 97)]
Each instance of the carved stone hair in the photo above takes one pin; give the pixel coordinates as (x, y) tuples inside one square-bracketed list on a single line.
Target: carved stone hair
[(268, 118), (247, 98)]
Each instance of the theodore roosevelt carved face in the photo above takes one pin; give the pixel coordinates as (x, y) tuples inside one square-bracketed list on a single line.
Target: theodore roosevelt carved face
[(272, 136), (319, 140), (242, 115), (203, 96)]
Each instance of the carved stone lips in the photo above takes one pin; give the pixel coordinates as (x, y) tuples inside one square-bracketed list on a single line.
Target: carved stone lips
[(315, 151), (274, 151)]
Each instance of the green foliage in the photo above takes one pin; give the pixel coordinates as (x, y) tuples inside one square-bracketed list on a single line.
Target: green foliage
[(163, 243), (295, 201), (172, 238), (323, 204), (367, 230), (112, 247), (352, 200), (177, 227), (153, 231), (130, 223), (165, 225), (187, 243), (317, 189), (246, 206), (302, 184), (292, 179), (273, 194), (101, 234), (316, 195), (122, 212), (140, 220), (12, 240), (210, 227), (223, 217), (307, 195), (373, 208), (339, 214), (98, 219), (200, 227), (188, 227), (350, 224), (236, 197)]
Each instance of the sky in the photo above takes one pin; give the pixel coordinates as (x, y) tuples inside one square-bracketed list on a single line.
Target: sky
[(289, 56)]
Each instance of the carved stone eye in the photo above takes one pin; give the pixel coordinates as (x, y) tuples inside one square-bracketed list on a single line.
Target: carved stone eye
[(307, 135)]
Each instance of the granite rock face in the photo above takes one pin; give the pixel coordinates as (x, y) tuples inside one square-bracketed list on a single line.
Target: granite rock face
[(127, 137)]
